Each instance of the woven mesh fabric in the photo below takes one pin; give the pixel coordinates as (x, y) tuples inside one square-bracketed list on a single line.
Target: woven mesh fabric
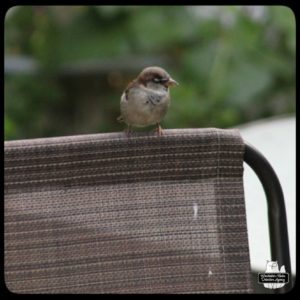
[(105, 213)]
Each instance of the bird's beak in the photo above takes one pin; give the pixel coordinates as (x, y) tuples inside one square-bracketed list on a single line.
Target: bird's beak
[(172, 82)]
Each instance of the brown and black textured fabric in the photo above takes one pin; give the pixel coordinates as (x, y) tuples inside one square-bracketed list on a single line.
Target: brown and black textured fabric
[(105, 213)]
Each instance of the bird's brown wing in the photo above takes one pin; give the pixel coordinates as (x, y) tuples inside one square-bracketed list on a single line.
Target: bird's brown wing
[(126, 92), (131, 85)]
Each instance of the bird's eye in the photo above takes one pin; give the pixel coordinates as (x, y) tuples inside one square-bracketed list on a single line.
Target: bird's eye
[(156, 79)]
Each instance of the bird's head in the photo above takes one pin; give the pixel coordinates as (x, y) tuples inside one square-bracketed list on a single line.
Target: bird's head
[(156, 78)]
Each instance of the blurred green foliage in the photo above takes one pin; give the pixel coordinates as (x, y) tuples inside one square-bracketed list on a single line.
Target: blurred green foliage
[(234, 64)]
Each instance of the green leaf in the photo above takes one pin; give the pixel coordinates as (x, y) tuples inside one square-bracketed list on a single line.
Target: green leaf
[(246, 81)]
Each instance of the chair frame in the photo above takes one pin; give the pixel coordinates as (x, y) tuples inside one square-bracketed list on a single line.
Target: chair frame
[(278, 231)]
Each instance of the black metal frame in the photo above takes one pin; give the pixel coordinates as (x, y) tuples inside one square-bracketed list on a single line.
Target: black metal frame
[(278, 231)]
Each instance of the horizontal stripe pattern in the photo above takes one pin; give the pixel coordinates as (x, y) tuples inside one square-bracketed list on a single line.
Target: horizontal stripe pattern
[(109, 214)]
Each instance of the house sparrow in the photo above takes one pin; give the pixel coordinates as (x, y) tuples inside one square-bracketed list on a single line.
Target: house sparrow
[(146, 99)]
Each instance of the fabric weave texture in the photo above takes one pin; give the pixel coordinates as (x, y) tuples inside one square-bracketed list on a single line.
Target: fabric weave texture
[(106, 213)]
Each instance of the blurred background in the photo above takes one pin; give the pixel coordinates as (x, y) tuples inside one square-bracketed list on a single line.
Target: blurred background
[(66, 66)]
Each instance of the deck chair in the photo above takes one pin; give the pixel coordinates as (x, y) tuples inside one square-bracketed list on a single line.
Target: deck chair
[(106, 213)]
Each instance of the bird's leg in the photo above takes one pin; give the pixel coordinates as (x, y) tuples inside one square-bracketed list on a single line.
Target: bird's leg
[(128, 131), (159, 130)]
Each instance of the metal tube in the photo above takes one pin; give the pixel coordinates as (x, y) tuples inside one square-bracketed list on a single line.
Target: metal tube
[(276, 210)]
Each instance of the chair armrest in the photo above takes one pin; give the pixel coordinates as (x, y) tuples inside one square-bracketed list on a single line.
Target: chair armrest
[(276, 209)]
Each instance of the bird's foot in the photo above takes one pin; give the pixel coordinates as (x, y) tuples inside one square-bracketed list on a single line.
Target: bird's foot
[(128, 131), (159, 130)]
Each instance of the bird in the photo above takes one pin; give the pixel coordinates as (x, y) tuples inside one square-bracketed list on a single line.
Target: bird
[(146, 99)]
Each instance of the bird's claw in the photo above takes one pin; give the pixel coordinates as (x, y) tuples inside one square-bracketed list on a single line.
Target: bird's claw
[(128, 131), (159, 130)]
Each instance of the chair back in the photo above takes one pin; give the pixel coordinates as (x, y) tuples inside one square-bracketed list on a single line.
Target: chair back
[(106, 213)]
